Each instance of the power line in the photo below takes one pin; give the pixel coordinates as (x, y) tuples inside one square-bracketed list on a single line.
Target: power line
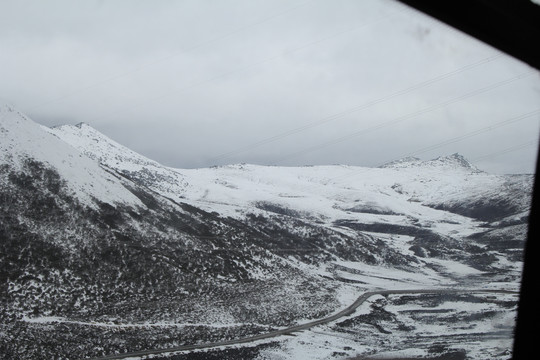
[(466, 136), (407, 116), (507, 150), (474, 133), (357, 108)]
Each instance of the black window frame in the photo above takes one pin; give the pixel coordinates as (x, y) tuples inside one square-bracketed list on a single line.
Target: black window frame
[(512, 26)]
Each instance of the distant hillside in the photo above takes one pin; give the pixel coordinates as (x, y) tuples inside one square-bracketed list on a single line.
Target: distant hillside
[(94, 233)]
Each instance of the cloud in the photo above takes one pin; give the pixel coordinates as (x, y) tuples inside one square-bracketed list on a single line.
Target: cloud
[(187, 82)]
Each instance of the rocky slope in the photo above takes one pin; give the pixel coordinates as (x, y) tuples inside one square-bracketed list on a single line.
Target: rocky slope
[(103, 250)]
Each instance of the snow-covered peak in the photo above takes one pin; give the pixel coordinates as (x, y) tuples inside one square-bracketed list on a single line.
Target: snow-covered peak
[(108, 152), (80, 125), (329, 193), (404, 162), (454, 161), (450, 162), (5, 107), (105, 150), (21, 139)]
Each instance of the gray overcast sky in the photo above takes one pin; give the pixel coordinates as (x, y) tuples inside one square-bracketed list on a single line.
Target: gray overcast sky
[(197, 83)]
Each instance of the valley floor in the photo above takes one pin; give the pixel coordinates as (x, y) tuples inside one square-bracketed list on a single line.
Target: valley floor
[(446, 323)]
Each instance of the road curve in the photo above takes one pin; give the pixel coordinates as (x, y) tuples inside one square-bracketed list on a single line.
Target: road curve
[(347, 311)]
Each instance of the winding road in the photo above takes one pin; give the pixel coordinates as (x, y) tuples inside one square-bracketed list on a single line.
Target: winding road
[(345, 312)]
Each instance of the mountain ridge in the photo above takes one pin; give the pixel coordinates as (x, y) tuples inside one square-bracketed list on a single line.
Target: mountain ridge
[(454, 161), (94, 233), (23, 139), (196, 186)]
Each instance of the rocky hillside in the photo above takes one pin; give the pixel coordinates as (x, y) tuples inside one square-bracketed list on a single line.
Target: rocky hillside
[(105, 251)]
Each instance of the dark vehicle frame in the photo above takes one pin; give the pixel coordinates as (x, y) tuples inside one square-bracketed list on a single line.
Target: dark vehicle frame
[(512, 26)]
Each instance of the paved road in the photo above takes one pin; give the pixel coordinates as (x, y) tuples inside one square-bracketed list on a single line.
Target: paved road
[(345, 312)]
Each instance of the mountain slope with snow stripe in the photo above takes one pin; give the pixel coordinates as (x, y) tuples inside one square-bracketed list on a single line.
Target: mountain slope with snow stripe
[(238, 244), (436, 192), (111, 154), (22, 139)]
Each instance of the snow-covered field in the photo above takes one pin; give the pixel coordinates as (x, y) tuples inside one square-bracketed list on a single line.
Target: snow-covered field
[(202, 255), (458, 326), (404, 192)]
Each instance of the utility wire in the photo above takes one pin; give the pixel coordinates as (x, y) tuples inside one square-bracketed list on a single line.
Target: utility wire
[(406, 117), (357, 108), (473, 133), (463, 137), (507, 150)]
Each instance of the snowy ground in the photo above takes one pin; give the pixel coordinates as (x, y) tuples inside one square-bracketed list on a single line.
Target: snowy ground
[(460, 326), (392, 209)]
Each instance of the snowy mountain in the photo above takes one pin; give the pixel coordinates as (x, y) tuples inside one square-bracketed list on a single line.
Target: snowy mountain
[(408, 186), (95, 236), (109, 153), (452, 162), (24, 141)]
